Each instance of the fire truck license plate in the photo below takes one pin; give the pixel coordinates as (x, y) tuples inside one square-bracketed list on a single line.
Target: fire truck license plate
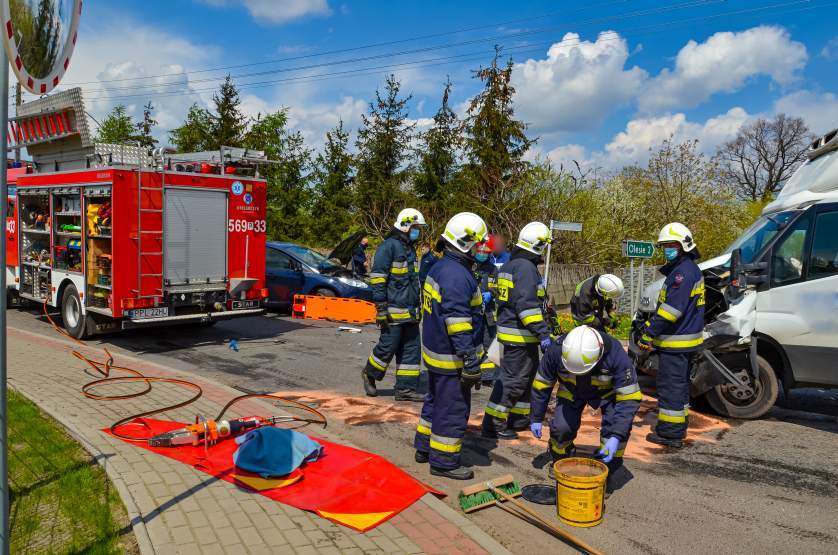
[(143, 313), (245, 304)]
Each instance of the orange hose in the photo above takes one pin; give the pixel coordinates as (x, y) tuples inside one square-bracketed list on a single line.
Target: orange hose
[(104, 369)]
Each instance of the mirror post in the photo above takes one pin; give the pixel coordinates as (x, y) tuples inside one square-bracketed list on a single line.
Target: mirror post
[(4, 193)]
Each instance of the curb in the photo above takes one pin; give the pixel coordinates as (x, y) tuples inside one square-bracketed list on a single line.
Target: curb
[(135, 518), (476, 533)]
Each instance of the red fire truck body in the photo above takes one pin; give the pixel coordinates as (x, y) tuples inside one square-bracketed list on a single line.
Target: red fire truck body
[(121, 247)]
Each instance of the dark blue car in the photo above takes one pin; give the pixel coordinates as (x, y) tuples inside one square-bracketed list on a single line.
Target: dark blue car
[(296, 270)]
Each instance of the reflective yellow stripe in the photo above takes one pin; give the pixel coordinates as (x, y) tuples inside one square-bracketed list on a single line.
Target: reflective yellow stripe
[(497, 411), (565, 394), (376, 364), (698, 289), (407, 372), (540, 293), (561, 448), (400, 315), (487, 365), (476, 300), (432, 293), (540, 385), (517, 338), (636, 396), (672, 419), (398, 271), (444, 364), (531, 319), (677, 343), (377, 280), (520, 410), (445, 447), (457, 328), (423, 430), (502, 282), (663, 313)]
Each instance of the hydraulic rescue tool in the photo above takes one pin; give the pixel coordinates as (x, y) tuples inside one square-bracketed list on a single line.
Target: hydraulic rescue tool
[(210, 431)]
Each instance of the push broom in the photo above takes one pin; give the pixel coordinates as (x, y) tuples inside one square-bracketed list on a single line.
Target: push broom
[(501, 491)]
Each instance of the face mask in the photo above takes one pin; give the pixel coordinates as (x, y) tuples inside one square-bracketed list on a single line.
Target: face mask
[(481, 256), (413, 234), (670, 253), (364, 246)]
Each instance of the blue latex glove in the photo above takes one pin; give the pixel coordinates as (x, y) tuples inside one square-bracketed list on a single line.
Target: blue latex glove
[(487, 297), (545, 343), (535, 428), (607, 452), (234, 345)]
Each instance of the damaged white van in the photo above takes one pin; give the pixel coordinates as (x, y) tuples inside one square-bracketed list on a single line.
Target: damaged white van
[(771, 313)]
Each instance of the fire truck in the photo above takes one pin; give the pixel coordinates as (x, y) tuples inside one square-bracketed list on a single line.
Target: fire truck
[(120, 236)]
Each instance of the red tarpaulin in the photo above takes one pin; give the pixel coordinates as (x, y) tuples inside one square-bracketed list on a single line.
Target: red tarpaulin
[(346, 485)]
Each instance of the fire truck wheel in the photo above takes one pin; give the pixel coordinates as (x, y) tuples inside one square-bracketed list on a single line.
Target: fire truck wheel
[(74, 320), (324, 292)]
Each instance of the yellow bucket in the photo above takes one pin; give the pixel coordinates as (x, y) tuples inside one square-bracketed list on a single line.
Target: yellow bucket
[(580, 490)]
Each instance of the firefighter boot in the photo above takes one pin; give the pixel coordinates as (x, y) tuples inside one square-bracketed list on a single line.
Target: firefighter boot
[(369, 384), (409, 395), (665, 441), (458, 473), (421, 457)]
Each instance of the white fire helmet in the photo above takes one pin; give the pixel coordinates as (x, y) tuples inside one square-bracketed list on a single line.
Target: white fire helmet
[(534, 237), (677, 233), (464, 230), (609, 286), (407, 218), (581, 349)]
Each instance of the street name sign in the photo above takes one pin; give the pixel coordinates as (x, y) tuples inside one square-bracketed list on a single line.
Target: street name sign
[(556, 225), (638, 249)]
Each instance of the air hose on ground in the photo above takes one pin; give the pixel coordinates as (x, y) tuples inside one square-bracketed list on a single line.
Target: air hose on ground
[(105, 367)]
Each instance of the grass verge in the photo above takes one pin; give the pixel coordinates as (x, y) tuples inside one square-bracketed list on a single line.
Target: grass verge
[(61, 500)]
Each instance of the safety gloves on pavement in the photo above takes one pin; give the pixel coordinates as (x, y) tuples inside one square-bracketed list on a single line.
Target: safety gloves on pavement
[(607, 451)]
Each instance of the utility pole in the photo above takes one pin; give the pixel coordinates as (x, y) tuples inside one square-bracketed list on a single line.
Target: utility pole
[(18, 102), (4, 415)]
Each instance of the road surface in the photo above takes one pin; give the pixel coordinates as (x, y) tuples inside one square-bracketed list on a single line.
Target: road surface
[(767, 486)]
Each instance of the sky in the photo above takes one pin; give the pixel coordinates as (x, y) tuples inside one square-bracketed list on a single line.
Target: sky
[(600, 82)]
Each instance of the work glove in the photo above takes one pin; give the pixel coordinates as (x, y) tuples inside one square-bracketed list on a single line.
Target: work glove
[(607, 452), (645, 343), (471, 374), (535, 428), (382, 318), (487, 297), (613, 321), (545, 344)]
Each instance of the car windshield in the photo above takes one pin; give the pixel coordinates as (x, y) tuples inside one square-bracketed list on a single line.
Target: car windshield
[(761, 232), (312, 258)]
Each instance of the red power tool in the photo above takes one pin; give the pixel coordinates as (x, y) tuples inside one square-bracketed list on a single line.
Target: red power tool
[(210, 431)]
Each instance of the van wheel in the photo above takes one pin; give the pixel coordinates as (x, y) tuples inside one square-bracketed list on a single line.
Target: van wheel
[(74, 321), (324, 292), (729, 400)]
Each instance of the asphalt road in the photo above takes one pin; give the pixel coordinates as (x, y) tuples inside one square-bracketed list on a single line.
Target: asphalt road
[(767, 486)]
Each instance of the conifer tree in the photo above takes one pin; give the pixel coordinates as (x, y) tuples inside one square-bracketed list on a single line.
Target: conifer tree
[(383, 149), (194, 134), (117, 127), (228, 125), (331, 213)]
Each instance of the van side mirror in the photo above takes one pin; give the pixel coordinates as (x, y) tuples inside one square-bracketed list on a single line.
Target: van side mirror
[(744, 275)]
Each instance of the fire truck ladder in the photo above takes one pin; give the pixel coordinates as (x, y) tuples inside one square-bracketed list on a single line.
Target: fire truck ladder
[(149, 238)]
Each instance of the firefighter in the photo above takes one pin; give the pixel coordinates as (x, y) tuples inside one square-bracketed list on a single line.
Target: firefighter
[(395, 286), (675, 330), (521, 329), (487, 276), (359, 259), (592, 303), (452, 348), (594, 370)]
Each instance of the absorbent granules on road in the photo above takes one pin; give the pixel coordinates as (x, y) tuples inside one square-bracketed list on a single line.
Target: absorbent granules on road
[(348, 486)]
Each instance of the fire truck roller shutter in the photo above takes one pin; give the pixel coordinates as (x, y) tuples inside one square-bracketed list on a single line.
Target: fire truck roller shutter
[(195, 236)]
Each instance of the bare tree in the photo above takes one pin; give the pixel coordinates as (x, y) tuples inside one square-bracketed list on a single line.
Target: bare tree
[(763, 155)]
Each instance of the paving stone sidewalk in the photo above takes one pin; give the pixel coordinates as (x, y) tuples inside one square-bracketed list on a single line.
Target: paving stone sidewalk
[(174, 508)]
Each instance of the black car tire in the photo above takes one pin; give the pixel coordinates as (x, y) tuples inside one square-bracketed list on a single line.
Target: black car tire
[(767, 389), (71, 313), (324, 292)]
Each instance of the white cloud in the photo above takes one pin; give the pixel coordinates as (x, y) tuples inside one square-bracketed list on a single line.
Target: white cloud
[(818, 110), (723, 63), (278, 11), (112, 53), (632, 145), (316, 119), (830, 50), (577, 86)]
